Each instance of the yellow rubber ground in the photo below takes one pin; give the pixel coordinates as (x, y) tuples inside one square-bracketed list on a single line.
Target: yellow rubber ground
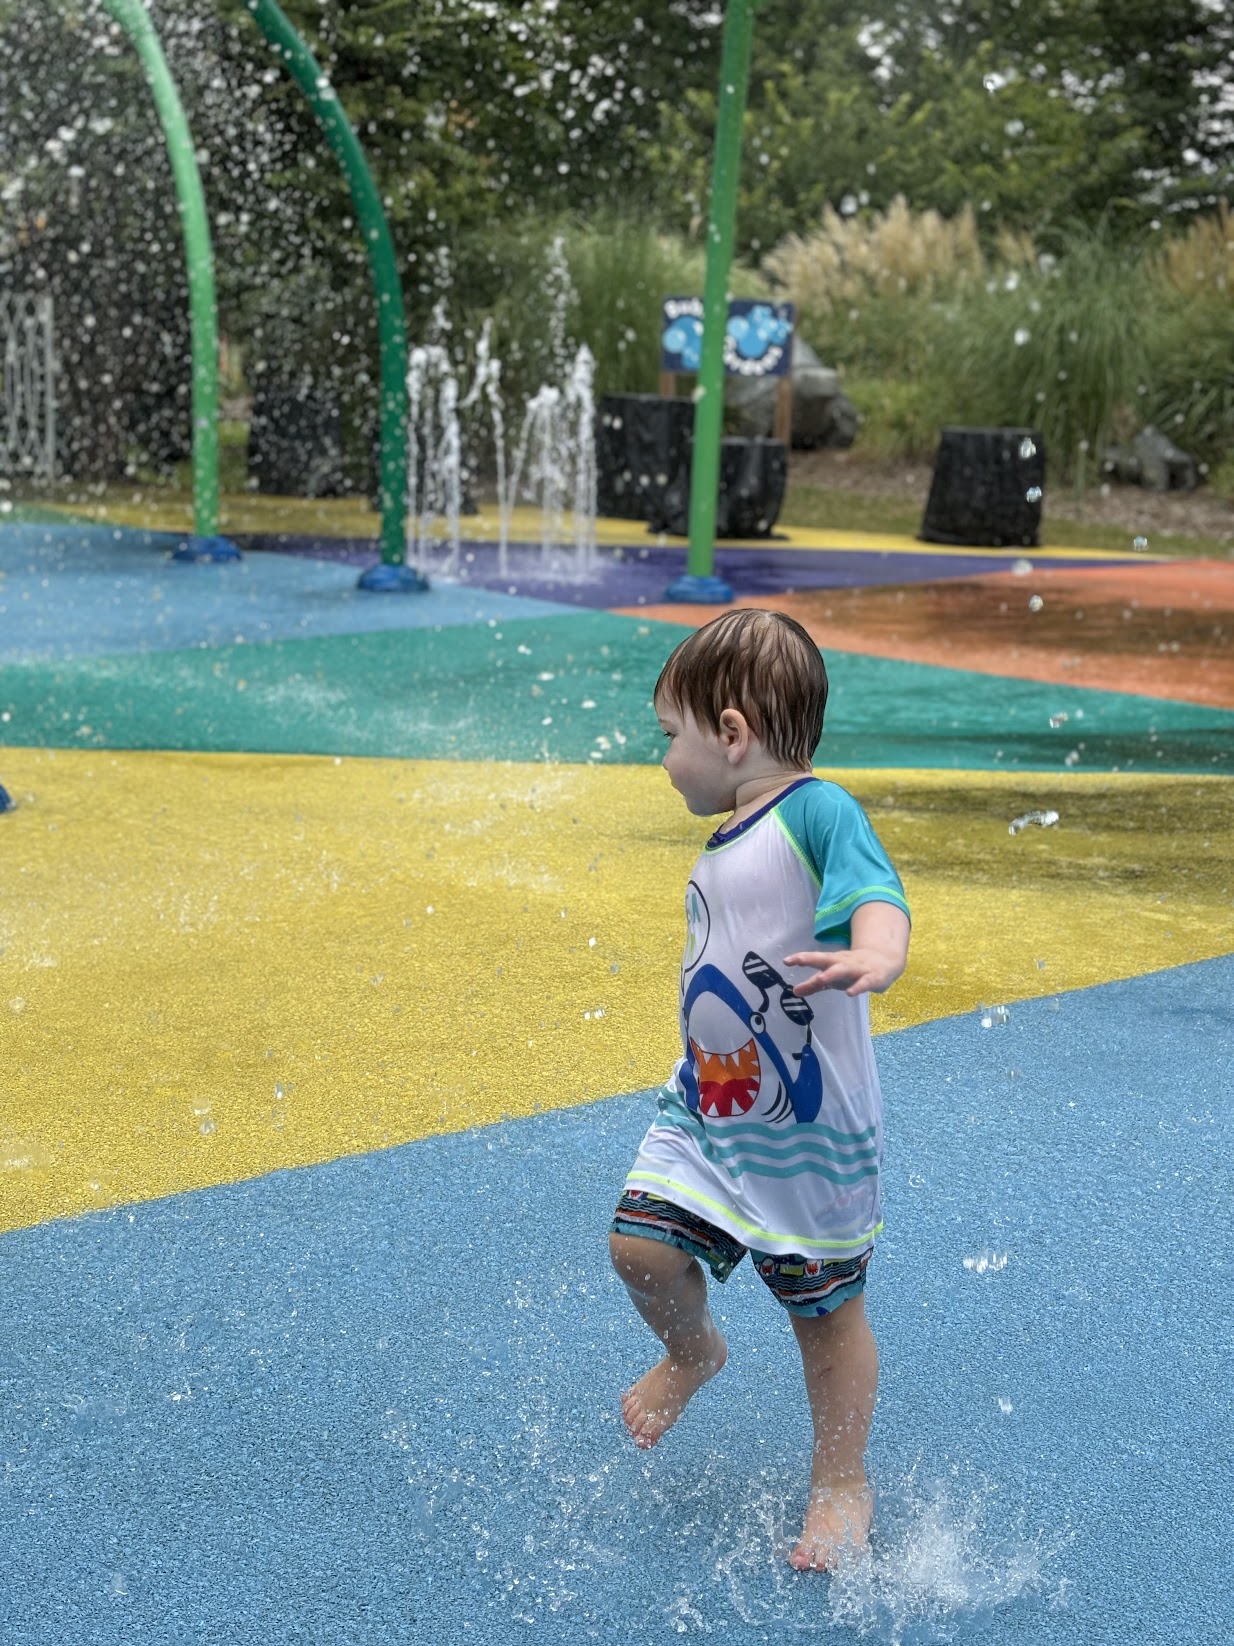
[(212, 966), (352, 518)]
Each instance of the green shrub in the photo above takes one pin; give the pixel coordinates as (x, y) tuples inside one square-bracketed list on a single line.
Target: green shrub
[(1065, 350), (899, 415), (1191, 396), (1088, 348)]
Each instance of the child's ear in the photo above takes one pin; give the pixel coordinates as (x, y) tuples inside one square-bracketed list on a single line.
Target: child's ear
[(734, 732)]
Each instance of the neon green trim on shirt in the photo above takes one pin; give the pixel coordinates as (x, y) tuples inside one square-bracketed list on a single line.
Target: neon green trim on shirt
[(806, 862), (871, 894), (800, 1242)]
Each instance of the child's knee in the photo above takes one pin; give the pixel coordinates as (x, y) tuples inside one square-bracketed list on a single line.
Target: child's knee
[(646, 1265)]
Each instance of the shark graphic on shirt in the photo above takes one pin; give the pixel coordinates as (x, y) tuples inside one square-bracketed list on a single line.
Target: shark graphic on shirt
[(737, 1064)]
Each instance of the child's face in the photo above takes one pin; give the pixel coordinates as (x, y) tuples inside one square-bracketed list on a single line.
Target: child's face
[(696, 763)]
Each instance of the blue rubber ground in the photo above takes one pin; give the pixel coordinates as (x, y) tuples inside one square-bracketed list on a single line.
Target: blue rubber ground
[(377, 1401), (87, 591)]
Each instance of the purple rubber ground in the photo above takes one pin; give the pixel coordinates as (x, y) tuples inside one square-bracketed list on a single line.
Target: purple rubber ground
[(637, 573)]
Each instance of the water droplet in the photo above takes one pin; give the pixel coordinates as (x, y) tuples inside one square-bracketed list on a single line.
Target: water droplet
[(1005, 1406), (1139, 544), (1027, 449), (1033, 494), (1045, 820), (1035, 603), (1021, 568), (1022, 336), (986, 1262), (1057, 720)]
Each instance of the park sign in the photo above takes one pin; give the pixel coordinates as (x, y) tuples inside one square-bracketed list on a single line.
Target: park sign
[(758, 339)]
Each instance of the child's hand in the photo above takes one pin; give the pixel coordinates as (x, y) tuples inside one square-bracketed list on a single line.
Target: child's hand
[(856, 971), (872, 964)]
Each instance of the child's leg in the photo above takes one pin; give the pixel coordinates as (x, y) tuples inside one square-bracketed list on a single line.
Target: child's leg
[(840, 1361), (668, 1288)]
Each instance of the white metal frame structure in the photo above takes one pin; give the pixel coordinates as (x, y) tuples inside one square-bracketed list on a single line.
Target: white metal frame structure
[(27, 386)]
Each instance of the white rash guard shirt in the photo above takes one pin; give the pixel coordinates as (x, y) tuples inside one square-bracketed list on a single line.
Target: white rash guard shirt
[(770, 1126)]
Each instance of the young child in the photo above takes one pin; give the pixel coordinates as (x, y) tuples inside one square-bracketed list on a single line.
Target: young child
[(768, 1135)]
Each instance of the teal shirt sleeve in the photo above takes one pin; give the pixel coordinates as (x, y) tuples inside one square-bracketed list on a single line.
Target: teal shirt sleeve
[(834, 838)]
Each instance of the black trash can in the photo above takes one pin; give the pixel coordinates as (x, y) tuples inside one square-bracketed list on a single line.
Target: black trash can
[(295, 444), (986, 489), (753, 475), (642, 442)]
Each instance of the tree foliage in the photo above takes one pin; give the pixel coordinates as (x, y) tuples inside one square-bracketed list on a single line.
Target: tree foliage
[(1043, 114), (483, 119)]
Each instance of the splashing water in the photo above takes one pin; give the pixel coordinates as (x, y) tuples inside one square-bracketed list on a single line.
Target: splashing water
[(434, 461), (986, 1262), (554, 460), (486, 384), (934, 1569), (558, 436), (1045, 820)]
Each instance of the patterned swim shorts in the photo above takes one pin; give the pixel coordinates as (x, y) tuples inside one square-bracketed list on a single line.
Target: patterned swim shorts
[(806, 1286)]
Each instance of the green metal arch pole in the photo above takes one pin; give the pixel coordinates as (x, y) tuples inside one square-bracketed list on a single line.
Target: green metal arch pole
[(391, 320), (134, 19), (699, 582)]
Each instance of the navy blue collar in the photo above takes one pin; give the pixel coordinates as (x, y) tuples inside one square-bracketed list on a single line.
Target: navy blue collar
[(722, 836)]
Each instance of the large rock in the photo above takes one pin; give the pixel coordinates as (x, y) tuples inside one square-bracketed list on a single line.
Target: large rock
[(1153, 460), (822, 416)]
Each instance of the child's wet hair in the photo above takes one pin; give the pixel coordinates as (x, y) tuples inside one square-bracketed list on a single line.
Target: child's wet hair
[(761, 663)]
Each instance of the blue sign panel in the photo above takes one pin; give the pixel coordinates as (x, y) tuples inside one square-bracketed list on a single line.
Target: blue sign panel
[(758, 340)]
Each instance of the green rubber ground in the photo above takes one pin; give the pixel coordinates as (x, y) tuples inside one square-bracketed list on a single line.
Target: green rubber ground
[(546, 690)]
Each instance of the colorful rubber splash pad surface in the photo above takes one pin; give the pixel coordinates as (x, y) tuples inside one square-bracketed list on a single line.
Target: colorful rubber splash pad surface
[(339, 939)]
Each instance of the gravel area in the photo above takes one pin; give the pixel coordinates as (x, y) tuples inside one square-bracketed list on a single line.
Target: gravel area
[(1164, 514)]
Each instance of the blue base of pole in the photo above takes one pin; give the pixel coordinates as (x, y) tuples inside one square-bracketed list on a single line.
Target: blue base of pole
[(195, 549), (699, 591), (7, 803), (384, 578)]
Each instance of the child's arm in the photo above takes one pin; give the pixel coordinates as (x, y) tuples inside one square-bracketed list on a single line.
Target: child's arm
[(877, 955)]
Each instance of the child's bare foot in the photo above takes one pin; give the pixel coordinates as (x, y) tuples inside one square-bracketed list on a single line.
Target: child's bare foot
[(660, 1396), (837, 1524)]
